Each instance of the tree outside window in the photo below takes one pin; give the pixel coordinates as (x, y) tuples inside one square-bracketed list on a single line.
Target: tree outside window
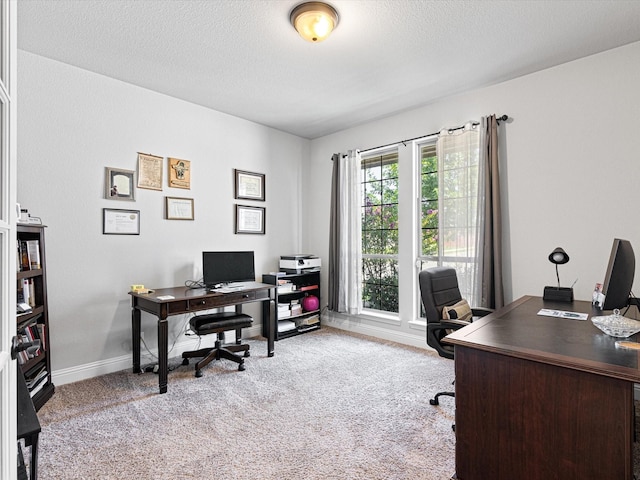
[(380, 232)]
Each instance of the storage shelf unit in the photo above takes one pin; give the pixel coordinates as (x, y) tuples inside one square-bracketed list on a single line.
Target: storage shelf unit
[(35, 323), (292, 288)]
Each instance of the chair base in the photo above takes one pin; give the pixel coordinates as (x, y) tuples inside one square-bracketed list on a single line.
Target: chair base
[(435, 400), (220, 351)]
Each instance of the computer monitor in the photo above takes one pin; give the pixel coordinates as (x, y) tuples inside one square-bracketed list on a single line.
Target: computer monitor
[(618, 280), (222, 268)]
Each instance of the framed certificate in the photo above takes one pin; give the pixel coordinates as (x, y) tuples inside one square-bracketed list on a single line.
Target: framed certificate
[(250, 219), (249, 185), (120, 222), (177, 208)]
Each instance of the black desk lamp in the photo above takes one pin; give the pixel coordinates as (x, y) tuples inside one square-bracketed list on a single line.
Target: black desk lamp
[(558, 294)]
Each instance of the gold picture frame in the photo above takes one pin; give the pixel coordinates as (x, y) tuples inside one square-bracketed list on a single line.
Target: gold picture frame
[(179, 173), (178, 208)]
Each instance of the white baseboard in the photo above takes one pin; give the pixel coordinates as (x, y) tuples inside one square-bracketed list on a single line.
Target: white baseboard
[(124, 362), (351, 324)]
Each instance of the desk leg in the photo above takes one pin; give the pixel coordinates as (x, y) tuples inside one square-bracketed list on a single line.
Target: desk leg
[(135, 339), (163, 354), (271, 328), (34, 458)]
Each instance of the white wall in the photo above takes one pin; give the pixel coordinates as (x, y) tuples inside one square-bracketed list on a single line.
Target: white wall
[(571, 170), (570, 173), (71, 125)]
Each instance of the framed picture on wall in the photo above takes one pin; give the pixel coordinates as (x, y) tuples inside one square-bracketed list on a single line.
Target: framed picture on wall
[(249, 185), (120, 222), (250, 219), (178, 208), (179, 173), (149, 171), (119, 184)]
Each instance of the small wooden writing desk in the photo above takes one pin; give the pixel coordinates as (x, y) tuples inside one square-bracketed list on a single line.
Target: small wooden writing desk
[(191, 300), (542, 397)]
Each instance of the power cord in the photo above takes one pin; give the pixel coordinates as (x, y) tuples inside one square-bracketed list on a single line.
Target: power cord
[(195, 283)]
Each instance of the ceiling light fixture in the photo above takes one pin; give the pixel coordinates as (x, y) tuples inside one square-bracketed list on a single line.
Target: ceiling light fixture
[(314, 21)]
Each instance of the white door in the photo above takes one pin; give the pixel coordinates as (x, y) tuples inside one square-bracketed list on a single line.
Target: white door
[(8, 50)]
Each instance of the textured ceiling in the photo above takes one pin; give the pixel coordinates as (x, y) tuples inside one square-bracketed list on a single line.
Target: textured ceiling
[(242, 57)]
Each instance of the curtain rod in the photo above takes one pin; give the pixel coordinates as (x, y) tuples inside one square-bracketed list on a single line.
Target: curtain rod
[(502, 118)]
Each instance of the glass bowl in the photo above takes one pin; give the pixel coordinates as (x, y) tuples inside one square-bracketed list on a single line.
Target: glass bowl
[(616, 325)]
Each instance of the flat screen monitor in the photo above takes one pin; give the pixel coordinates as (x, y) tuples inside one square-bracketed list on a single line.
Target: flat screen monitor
[(222, 268), (618, 280)]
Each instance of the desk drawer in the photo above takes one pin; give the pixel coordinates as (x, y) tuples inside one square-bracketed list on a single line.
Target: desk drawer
[(221, 300)]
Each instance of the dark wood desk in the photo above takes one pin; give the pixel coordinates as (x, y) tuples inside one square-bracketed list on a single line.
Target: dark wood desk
[(191, 300), (542, 397)]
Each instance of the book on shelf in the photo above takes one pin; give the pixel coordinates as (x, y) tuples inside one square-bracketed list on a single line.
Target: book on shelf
[(35, 380), (286, 326), (307, 288), (309, 321), (33, 251), (39, 386), (285, 288), (23, 254), (27, 288)]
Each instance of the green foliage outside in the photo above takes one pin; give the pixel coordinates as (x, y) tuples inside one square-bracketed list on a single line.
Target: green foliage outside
[(380, 225), (380, 233)]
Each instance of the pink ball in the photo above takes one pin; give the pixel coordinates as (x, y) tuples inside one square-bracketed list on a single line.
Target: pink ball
[(310, 303)]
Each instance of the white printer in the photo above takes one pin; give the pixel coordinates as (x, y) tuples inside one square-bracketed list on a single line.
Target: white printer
[(299, 263)]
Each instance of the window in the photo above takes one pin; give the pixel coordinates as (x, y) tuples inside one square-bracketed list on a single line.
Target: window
[(380, 231), (428, 205)]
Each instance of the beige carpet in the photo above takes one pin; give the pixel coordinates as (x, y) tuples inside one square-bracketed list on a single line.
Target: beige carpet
[(327, 406)]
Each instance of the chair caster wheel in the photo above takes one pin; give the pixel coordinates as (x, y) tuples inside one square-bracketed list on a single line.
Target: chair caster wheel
[(434, 401), (185, 361), (241, 367), (247, 354), (198, 373)]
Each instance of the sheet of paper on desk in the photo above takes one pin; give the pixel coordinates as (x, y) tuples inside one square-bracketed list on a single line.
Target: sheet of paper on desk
[(165, 297), (546, 312)]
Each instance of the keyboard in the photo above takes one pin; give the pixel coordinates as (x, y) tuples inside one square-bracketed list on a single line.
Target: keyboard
[(227, 289)]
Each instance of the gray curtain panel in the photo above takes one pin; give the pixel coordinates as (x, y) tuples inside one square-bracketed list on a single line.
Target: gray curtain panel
[(334, 237), (492, 289)]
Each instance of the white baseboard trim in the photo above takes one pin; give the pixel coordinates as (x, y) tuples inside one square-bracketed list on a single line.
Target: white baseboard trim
[(124, 362), (355, 326)]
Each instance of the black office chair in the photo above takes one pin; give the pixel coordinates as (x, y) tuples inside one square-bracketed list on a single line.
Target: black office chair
[(439, 289), (219, 323)]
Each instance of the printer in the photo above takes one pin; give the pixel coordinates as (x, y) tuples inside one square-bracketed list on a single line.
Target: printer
[(299, 263)]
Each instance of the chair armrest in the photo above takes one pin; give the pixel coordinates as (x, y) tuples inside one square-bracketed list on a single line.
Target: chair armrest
[(481, 311), (453, 324)]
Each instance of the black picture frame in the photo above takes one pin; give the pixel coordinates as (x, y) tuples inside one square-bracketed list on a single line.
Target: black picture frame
[(250, 219), (249, 185), (116, 221)]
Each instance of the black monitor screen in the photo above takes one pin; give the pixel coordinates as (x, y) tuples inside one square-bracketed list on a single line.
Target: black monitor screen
[(618, 280), (227, 267)]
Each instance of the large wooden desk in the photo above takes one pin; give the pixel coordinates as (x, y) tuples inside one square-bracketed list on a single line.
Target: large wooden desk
[(189, 300), (542, 398)]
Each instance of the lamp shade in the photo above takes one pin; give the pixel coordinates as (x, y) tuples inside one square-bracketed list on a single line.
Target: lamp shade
[(314, 21), (558, 256)]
